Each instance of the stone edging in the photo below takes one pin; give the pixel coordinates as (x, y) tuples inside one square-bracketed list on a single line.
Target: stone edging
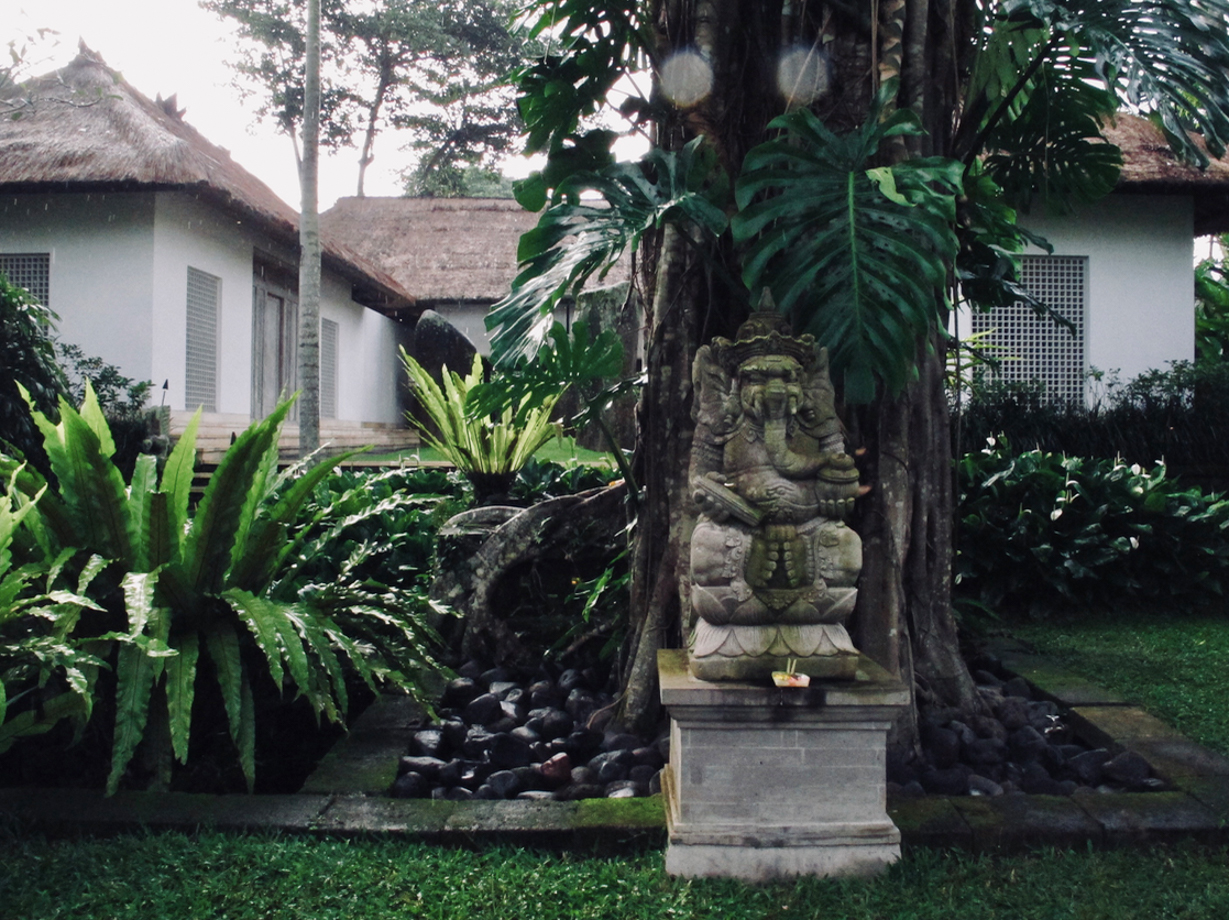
[(344, 795), (1198, 808)]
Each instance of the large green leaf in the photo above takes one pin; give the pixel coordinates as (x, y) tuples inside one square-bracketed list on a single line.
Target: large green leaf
[(180, 691), (135, 674), (91, 490), (42, 720), (602, 40), (177, 476), (52, 527), (1052, 149), (267, 541), (229, 502), (260, 616), (577, 238), (222, 644), (140, 491), (245, 739), (91, 414), (570, 358), (1169, 57), (857, 254)]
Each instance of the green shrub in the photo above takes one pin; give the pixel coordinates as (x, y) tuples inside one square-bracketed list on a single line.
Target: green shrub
[(487, 450), (40, 661), (1176, 416), (1040, 529), (219, 583), (27, 359)]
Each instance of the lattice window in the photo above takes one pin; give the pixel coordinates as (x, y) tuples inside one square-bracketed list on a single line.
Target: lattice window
[(201, 386), (1046, 352), (29, 270), (328, 368)]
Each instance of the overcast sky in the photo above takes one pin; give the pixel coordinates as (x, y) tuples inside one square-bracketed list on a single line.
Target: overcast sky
[(173, 46)]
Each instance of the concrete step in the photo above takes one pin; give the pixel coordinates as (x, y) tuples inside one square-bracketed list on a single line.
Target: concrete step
[(217, 431)]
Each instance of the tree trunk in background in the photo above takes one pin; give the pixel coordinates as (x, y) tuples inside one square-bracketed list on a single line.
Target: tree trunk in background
[(903, 619), (309, 244)]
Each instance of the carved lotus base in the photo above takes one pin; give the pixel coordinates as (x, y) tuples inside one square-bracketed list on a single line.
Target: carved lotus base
[(821, 650)]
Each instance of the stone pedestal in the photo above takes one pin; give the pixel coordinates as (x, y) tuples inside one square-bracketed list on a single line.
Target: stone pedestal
[(766, 782)]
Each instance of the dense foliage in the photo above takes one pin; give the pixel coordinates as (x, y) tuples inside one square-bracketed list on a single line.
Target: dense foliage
[(225, 583), (28, 358), (431, 70), (1212, 306), (1178, 416), (1039, 531)]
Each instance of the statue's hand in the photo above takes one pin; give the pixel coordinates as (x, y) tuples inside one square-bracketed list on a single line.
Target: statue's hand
[(836, 499), (712, 509), (836, 509)]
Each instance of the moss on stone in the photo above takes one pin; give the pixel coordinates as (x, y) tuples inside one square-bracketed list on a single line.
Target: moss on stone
[(627, 813)]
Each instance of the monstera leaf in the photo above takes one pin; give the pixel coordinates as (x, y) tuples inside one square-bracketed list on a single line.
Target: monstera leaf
[(577, 238), (1168, 57), (858, 255)]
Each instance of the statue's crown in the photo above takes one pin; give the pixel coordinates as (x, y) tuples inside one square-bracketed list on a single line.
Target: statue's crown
[(766, 332)]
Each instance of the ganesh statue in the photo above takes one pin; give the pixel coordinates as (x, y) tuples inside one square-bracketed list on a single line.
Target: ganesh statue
[(773, 567)]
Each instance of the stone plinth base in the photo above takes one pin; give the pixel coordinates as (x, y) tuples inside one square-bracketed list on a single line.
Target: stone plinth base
[(766, 782)]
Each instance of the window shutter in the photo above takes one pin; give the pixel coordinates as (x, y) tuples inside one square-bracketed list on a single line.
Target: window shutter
[(328, 368), (201, 377)]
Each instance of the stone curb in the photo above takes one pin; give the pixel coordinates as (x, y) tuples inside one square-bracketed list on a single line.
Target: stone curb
[(1197, 808), (344, 796)]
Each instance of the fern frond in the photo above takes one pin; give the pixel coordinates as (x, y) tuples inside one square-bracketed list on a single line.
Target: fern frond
[(180, 691)]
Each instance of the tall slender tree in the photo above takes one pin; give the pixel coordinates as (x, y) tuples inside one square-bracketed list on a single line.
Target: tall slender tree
[(433, 72), (309, 243), (879, 151)]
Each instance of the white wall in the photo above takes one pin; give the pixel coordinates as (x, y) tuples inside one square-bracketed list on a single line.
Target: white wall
[(118, 279), (1141, 282), (193, 233), (1141, 285), (100, 278), (368, 369)]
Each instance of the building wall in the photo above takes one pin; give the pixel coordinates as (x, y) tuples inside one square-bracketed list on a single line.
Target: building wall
[(192, 233), (368, 366), (1140, 283), (101, 268), (118, 280)]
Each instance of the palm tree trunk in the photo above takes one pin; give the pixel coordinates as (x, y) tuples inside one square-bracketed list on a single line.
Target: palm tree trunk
[(309, 245)]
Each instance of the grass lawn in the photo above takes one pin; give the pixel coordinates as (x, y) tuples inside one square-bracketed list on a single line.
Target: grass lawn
[(1175, 666), (170, 876)]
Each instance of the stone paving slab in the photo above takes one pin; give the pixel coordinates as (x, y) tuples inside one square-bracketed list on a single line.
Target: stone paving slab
[(1155, 817), (360, 814), (1010, 823), (1213, 793), (365, 759), (931, 822), (1124, 726), (84, 809), (1057, 684)]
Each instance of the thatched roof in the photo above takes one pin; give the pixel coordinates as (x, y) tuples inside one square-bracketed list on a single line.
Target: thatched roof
[(89, 130), (1151, 167), (444, 249)]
